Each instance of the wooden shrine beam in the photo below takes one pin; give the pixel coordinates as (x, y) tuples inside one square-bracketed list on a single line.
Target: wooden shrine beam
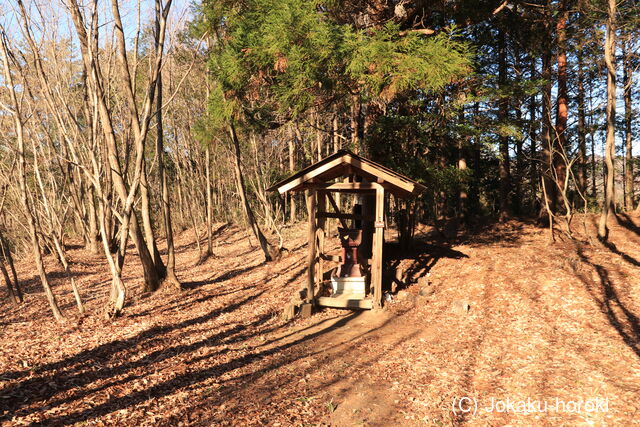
[(311, 259), (344, 186), (345, 216), (310, 175)]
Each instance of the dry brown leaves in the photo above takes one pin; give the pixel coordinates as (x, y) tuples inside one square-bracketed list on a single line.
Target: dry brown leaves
[(545, 322)]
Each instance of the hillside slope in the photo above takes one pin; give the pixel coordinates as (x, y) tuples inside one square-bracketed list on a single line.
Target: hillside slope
[(544, 323)]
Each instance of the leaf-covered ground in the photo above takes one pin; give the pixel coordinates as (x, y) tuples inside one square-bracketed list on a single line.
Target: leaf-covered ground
[(553, 324)]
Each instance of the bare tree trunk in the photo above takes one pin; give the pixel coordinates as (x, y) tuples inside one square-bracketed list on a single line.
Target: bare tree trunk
[(356, 111), (628, 121), (292, 168), (5, 253), (147, 222), (209, 202), (93, 224), (562, 105), (582, 131), (546, 140), (503, 106), (7, 281), (610, 61), (55, 236), (533, 149), (462, 167), (266, 247), (171, 276), (22, 179), (318, 137)]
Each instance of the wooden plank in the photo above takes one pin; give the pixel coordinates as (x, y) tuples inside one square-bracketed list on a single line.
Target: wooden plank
[(345, 216), (345, 186), (310, 174), (311, 259), (378, 243), (393, 178), (343, 302)]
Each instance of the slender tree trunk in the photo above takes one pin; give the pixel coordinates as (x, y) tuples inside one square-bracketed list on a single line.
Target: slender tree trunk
[(171, 276), (610, 61), (22, 180), (582, 131), (7, 258), (292, 168), (147, 222), (628, 120), (533, 149), (93, 224), (462, 167), (592, 131), (546, 140), (207, 159), (503, 109), (318, 137), (474, 185), (562, 105), (255, 228), (7, 281), (356, 108)]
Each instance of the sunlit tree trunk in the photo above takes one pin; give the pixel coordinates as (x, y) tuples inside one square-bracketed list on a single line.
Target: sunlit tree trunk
[(549, 195), (209, 202), (13, 287), (22, 180), (628, 121), (291, 143), (581, 171), (534, 179), (562, 105), (147, 222), (503, 107), (609, 153), (242, 190)]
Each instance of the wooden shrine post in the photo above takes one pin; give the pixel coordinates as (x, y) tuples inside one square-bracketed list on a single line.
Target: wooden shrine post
[(321, 198), (311, 260), (376, 250)]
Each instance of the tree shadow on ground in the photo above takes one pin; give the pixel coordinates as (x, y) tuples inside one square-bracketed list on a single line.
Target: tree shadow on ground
[(627, 222), (84, 368), (423, 254), (604, 294), (191, 379), (220, 278), (507, 234), (613, 248)]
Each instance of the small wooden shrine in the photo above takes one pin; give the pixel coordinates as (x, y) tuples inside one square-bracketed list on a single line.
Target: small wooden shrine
[(357, 281)]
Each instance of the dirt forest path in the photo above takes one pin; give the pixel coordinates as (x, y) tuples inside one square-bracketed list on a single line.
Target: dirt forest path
[(548, 323)]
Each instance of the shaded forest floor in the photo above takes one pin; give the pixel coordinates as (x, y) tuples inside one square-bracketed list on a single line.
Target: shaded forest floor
[(545, 323)]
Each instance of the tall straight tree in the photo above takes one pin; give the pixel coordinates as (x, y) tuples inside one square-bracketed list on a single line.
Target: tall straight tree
[(503, 110), (609, 151), (171, 276), (627, 83), (562, 104)]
